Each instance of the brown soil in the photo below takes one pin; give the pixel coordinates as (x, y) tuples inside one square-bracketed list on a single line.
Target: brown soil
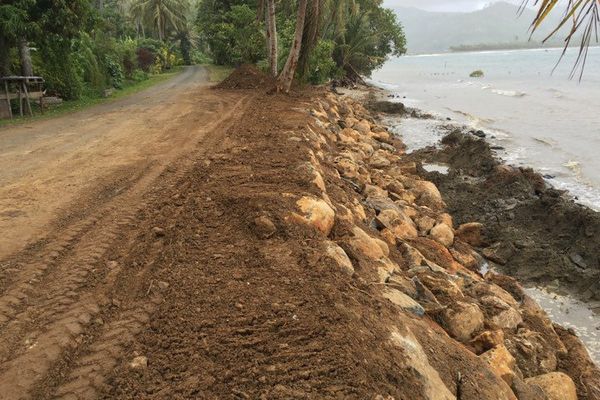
[(247, 77), (545, 236), (190, 277), (175, 270)]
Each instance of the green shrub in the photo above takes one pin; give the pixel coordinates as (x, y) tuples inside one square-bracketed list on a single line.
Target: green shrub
[(321, 66), (476, 74), (139, 76), (115, 72)]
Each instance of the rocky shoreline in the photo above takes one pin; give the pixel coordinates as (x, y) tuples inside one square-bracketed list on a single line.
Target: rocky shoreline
[(534, 232), (397, 232)]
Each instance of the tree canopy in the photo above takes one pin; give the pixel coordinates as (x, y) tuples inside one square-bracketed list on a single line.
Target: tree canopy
[(84, 46)]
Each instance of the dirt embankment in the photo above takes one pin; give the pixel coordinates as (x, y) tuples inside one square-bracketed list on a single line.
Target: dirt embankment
[(295, 254), (536, 233)]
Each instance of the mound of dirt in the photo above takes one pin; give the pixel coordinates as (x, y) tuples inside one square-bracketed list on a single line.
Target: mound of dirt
[(542, 234), (247, 77)]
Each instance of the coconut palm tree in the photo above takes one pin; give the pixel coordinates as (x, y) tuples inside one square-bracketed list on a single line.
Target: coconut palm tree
[(161, 15), (583, 15), (284, 82)]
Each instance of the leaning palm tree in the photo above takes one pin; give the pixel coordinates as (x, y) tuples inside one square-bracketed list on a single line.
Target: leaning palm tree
[(161, 15), (583, 16)]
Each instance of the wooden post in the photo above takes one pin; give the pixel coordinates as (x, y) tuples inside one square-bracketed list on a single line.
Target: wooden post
[(7, 99), (20, 101), (41, 89), (27, 98)]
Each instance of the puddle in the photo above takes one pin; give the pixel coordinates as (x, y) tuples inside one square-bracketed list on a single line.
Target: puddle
[(574, 314), (415, 133), (433, 167)]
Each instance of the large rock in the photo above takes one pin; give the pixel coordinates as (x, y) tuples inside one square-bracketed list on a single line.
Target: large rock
[(471, 233), (434, 251), (462, 320), (380, 159), (555, 385), (524, 391), (442, 234), (433, 386), (427, 194), (534, 355), (501, 362), (403, 301), (396, 224), (363, 244), (500, 313), (487, 340), (500, 253), (340, 258), (363, 127), (425, 223), (316, 213)]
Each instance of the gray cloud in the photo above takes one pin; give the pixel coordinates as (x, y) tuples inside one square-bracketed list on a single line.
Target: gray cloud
[(443, 5)]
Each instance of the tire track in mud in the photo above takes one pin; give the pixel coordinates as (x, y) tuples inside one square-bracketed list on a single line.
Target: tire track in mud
[(57, 318)]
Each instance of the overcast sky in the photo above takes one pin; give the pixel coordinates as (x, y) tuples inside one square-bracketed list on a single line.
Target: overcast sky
[(443, 5)]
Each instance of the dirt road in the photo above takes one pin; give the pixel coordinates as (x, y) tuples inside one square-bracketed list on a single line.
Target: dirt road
[(91, 156), (68, 187)]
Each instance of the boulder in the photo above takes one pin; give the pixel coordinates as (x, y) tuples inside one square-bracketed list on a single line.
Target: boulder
[(445, 218), (379, 160), (396, 225), (350, 122), (462, 320), (434, 251), (425, 223), (487, 340), (363, 244), (403, 301), (501, 362), (340, 258), (412, 256), (416, 357), (524, 391), (471, 233), (499, 253), (555, 385), (501, 314), (482, 289), (363, 127), (465, 255), (428, 195), (442, 234), (316, 213), (346, 167), (534, 355)]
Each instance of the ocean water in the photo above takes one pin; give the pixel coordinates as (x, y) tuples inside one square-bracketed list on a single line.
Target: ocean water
[(539, 116)]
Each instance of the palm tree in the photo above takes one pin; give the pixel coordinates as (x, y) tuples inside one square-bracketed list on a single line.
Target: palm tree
[(284, 82), (161, 15), (584, 15)]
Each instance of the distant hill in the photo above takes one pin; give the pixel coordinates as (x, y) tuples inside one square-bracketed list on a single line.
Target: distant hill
[(498, 26)]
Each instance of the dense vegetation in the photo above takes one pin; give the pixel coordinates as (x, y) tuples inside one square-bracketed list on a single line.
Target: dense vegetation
[(82, 47)]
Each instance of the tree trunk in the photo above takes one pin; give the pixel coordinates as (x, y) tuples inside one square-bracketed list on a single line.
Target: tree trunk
[(287, 75), (272, 37), (25, 57), (311, 31), (4, 57), (4, 71)]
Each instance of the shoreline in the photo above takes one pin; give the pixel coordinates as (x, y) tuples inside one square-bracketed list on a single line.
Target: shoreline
[(535, 232)]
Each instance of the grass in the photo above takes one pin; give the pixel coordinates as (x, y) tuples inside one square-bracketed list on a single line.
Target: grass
[(217, 73), (86, 102)]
